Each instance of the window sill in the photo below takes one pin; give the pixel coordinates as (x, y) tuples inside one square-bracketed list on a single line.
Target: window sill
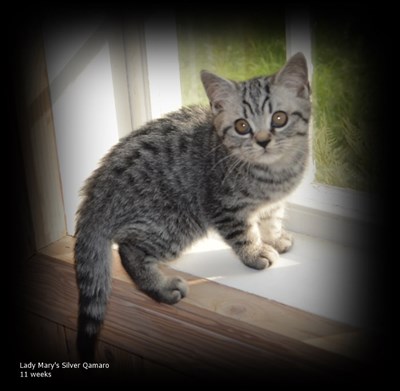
[(337, 215), (316, 276), (210, 307)]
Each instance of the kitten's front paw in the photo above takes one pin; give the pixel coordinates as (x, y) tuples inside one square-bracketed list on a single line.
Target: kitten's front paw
[(284, 243), (265, 258), (173, 290)]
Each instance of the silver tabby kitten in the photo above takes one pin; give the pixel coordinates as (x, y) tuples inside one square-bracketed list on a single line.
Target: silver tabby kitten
[(163, 186)]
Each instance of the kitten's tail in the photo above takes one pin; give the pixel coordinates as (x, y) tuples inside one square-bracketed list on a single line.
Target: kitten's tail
[(93, 271)]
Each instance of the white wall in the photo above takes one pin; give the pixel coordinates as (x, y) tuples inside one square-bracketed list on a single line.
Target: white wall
[(81, 89)]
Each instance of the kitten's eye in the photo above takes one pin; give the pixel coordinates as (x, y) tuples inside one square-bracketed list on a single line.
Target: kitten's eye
[(279, 119), (242, 126)]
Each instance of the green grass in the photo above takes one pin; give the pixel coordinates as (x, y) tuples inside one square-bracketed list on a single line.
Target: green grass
[(343, 106), (240, 49)]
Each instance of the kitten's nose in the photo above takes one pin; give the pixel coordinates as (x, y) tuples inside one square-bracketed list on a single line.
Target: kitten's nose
[(262, 137), (263, 143)]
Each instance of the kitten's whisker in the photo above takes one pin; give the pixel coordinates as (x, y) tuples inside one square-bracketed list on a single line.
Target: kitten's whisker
[(233, 167), (214, 149), (248, 168), (243, 163), (220, 161)]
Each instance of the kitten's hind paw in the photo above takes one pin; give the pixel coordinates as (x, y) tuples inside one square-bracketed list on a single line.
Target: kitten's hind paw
[(173, 290)]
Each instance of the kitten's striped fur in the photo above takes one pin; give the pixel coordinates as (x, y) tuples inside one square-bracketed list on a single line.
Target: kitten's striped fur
[(163, 186)]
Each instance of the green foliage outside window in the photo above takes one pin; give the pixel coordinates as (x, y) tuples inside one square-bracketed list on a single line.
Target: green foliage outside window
[(344, 92), (239, 49)]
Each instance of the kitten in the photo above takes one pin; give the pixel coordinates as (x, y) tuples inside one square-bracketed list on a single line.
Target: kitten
[(162, 187)]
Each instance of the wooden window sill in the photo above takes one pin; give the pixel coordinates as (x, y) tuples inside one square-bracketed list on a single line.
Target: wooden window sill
[(216, 330)]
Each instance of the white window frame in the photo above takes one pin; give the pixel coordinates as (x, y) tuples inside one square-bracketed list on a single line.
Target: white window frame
[(326, 212)]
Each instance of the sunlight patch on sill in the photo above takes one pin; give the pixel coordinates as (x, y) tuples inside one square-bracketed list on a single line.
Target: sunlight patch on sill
[(212, 242), (284, 262), (215, 278)]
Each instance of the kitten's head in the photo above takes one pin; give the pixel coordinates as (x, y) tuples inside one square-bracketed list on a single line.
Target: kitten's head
[(263, 120)]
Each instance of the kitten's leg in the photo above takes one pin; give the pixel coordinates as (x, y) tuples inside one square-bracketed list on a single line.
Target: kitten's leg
[(245, 240), (144, 271), (271, 231)]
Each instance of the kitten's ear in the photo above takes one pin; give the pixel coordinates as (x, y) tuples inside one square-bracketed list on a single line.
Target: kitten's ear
[(294, 76), (220, 91)]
